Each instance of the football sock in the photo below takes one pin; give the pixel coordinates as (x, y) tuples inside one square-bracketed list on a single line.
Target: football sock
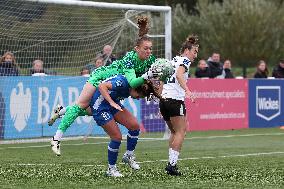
[(173, 156), (113, 148), (132, 138), (71, 114), (111, 166), (64, 110), (58, 135)]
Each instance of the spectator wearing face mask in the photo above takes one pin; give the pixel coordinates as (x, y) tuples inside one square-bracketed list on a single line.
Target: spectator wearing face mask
[(227, 69), (8, 65)]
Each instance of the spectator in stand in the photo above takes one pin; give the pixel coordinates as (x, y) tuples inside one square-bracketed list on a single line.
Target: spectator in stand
[(8, 65), (278, 71), (99, 61), (261, 70), (202, 70), (85, 72), (214, 65), (227, 69), (37, 68), (107, 55)]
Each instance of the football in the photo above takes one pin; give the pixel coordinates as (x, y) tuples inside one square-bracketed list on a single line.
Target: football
[(163, 68)]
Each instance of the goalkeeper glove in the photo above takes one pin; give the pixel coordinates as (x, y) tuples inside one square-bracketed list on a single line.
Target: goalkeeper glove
[(151, 74)]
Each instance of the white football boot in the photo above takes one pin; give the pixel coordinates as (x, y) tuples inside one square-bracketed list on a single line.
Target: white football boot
[(130, 160), (113, 172), (55, 115), (55, 146)]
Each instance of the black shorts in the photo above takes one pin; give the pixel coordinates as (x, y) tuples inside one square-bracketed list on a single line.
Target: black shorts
[(171, 108)]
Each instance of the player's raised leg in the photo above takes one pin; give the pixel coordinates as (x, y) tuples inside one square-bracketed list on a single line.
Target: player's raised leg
[(71, 114), (79, 108), (60, 111)]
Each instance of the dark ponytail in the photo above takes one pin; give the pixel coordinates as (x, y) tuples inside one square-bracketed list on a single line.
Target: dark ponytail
[(149, 89)]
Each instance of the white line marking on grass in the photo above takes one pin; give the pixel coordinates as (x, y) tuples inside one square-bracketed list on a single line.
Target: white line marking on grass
[(221, 136), (216, 157), (39, 140), (41, 146), (164, 160), (144, 139)]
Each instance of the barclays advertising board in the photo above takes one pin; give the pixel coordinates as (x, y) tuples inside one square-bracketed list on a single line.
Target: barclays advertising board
[(265, 103), (29, 102)]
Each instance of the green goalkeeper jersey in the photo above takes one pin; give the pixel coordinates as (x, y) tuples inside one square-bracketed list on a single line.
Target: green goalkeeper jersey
[(130, 66)]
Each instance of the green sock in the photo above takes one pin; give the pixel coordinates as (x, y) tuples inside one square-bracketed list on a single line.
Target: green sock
[(72, 112), (80, 113)]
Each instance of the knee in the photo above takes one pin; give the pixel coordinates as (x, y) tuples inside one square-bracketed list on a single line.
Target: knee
[(181, 133), (117, 137), (134, 126), (83, 104)]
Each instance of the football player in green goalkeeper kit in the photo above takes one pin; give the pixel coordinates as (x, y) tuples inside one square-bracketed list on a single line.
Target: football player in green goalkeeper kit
[(134, 66)]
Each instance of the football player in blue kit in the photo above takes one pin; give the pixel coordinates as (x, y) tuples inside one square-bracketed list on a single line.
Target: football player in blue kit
[(107, 111)]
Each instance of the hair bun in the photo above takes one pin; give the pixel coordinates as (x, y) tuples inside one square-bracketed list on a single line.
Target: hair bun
[(142, 23), (192, 39)]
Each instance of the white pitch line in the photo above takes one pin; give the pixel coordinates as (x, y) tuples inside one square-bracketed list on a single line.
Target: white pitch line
[(165, 160), (39, 140), (216, 157), (147, 140), (41, 146), (222, 136)]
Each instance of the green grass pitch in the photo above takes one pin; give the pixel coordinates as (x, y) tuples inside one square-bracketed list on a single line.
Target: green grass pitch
[(248, 158)]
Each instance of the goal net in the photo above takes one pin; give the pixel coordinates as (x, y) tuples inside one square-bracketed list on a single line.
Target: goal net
[(59, 41)]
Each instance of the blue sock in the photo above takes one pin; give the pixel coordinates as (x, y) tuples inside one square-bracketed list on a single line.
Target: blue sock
[(113, 148), (132, 138)]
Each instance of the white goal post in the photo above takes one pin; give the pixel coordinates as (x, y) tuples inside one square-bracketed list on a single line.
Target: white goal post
[(67, 35)]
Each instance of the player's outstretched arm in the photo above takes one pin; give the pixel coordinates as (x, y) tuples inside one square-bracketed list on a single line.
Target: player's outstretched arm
[(104, 88), (133, 81)]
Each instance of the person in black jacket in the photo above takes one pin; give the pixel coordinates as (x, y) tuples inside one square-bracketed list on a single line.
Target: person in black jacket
[(8, 65), (214, 65), (261, 70), (278, 71), (228, 74), (202, 70)]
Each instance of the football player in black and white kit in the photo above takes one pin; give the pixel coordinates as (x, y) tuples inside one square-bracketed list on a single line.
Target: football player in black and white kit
[(172, 105)]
